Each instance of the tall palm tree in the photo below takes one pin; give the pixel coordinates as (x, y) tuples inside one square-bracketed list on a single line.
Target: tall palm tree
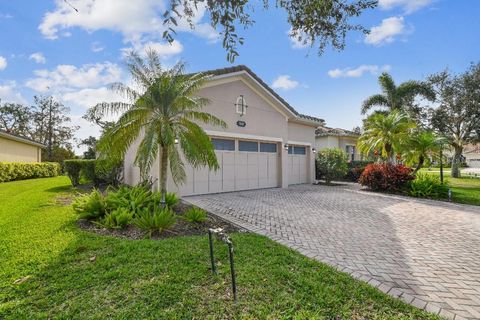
[(385, 132), (164, 112), (397, 97), (420, 145)]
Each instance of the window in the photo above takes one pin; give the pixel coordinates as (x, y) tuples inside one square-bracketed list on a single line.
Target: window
[(290, 150), (268, 147), (241, 105), (223, 144), (248, 146), (299, 150)]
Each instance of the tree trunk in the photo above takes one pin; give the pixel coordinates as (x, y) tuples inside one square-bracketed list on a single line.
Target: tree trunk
[(456, 162), (421, 161), (163, 173), (389, 151)]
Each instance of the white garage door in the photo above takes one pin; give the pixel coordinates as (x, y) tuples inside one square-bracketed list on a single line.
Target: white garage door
[(297, 165), (243, 165)]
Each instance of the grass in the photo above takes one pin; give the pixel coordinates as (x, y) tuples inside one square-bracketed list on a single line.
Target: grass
[(69, 273), (464, 190)]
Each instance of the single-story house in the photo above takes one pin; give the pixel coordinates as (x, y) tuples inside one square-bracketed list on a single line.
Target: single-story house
[(345, 140), (15, 148), (472, 155), (267, 142)]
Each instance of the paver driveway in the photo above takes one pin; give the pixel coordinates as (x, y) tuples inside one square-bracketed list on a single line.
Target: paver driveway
[(425, 252)]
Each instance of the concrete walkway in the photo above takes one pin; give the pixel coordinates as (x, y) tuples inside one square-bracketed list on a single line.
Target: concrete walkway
[(427, 253)]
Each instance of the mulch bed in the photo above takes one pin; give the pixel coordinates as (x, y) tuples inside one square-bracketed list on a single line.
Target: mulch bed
[(181, 228)]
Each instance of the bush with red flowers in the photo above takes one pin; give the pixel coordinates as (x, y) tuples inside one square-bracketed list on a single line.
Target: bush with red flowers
[(386, 177)]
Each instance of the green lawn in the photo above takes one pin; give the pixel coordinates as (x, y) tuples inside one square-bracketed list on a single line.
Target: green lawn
[(70, 273), (464, 190)]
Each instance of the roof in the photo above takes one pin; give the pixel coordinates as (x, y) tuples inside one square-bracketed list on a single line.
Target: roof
[(18, 138), (239, 68), (337, 132)]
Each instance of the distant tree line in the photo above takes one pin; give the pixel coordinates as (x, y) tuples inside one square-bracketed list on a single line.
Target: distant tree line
[(47, 122)]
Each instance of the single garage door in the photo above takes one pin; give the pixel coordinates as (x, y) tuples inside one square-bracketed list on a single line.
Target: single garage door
[(297, 165), (244, 165)]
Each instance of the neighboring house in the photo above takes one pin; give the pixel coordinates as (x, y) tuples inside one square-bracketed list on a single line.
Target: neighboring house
[(472, 155), (15, 148), (267, 142), (345, 140)]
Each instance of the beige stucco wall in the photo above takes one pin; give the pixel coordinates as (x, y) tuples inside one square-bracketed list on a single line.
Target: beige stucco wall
[(15, 151), (265, 120), (337, 142)]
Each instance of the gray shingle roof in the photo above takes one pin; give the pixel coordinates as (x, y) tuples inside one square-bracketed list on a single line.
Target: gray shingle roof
[(338, 132), (238, 68), (17, 137)]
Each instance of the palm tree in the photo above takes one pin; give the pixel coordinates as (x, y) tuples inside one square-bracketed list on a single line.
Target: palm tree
[(385, 132), (397, 97), (420, 145), (164, 112)]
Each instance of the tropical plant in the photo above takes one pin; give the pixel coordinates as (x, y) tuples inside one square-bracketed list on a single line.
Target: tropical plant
[(164, 112), (90, 206), (171, 199), (386, 177), (132, 198), (397, 97), (385, 132), (331, 164), (195, 215), (160, 219), (420, 146), (117, 219), (428, 186)]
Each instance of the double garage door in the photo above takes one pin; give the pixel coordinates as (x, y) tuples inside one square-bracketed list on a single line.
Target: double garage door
[(244, 165)]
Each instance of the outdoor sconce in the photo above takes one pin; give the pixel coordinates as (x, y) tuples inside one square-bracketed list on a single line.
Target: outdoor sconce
[(286, 146), (314, 150), (176, 140)]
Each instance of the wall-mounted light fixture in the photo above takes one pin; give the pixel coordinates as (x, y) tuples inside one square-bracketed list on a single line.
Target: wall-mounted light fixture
[(314, 150), (286, 146), (176, 141)]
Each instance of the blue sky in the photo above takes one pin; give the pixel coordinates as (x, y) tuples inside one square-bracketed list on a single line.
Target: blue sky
[(47, 48)]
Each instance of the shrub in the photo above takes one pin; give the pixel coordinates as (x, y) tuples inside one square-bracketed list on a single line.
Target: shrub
[(160, 219), (355, 170), (10, 171), (97, 171), (90, 206), (75, 168), (117, 219), (132, 198), (331, 164), (386, 177), (171, 199), (195, 215), (428, 186)]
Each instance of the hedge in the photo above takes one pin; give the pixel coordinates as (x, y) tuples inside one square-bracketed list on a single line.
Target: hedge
[(96, 171), (10, 171)]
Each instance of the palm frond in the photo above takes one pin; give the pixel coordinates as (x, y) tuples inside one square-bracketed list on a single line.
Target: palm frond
[(410, 89), (373, 101)]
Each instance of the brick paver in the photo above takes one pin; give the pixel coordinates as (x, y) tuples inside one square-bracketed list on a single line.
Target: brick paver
[(426, 253)]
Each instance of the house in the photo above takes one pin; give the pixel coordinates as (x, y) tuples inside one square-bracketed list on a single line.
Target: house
[(14, 148), (267, 142), (345, 140), (472, 155)]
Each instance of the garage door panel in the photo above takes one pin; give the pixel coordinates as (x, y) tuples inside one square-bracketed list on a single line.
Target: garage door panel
[(201, 180)]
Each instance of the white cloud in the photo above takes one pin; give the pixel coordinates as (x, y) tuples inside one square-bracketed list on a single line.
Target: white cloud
[(9, 93), (3, 63), (164, 49), (69, 76), (89, 97), (408, 6), (284, 82), (97, 47), (357, 72), (386, 31), (296, 42), (38, 57), (134, 19), (5, 16)]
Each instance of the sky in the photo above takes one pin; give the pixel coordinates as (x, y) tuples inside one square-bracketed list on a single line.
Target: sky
[(48, 48)]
